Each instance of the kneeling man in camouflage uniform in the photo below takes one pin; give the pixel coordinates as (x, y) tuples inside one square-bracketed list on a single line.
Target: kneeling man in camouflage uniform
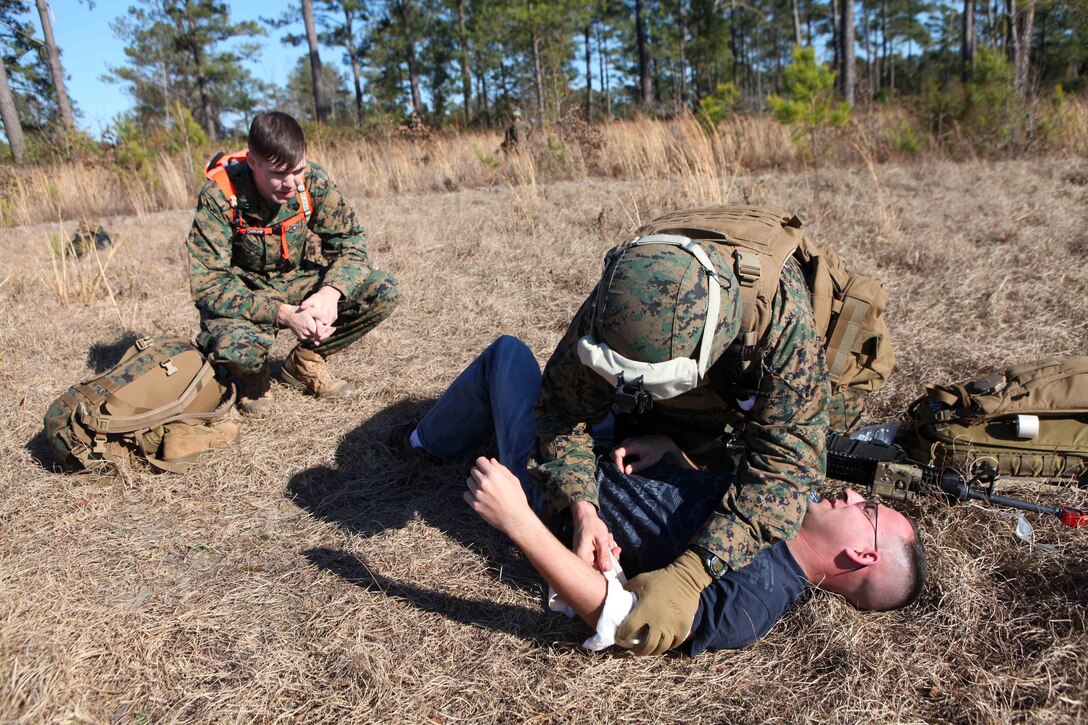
[(250, 275), (659, 342)]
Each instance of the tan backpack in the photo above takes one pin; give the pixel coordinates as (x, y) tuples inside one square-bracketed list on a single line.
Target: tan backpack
[(1029, 420), (161, 402), (848, 308)]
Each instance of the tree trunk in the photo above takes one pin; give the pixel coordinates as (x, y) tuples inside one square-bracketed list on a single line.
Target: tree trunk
[(356, 71), (968, 40), (410, 57), (538, 74), (413, 78), (836, 43), (883, 44), (55, 70), (197, 54), (733, 41), (776, 50), (846, 33), (867, 36), (10, 116), (602, 66), (683, 29), (991, 24), (589, 75), (796, 23), (645, 77), (321, 108), (1021, 26), (466, 75)]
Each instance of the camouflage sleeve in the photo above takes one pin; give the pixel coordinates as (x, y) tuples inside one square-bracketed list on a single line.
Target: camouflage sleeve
[(343, 241), (214, 282), (571, 397), (784, 435)]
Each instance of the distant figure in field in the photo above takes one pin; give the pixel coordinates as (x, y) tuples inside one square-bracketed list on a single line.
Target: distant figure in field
[(250, 276), (517, 133)]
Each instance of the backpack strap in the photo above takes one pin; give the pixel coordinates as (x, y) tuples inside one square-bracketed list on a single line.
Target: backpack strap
[(217, 172)]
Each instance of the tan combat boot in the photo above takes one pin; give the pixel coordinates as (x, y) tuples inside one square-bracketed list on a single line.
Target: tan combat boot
[(307, 370), (184, 443), (254, 392)]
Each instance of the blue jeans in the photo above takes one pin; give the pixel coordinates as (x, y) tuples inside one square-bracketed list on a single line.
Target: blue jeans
[(493, 396), (652, 516)]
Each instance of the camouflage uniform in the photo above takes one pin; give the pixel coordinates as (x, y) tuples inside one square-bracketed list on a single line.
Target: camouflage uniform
[(239, 282), (782, 434)]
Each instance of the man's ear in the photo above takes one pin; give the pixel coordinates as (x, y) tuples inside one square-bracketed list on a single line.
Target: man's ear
[(862, 557)]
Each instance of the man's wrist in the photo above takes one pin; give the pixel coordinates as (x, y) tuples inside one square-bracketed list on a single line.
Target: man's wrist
[(283, 313), (331, 291), (580, 510)]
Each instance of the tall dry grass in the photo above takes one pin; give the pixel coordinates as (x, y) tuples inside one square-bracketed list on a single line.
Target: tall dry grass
[(680, 149), (309, 575)]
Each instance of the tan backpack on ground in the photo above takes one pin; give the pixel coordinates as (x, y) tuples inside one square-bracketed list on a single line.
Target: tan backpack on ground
[(161, 402), (1030, 420), (848, 308)]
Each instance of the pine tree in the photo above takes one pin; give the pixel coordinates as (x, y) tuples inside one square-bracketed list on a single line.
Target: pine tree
[(173, 55)]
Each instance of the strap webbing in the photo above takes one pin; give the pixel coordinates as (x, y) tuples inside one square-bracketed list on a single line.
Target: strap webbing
[(845, 337), (152, 418)]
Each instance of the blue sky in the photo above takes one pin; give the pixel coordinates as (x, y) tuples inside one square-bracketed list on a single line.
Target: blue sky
[(89, 48)]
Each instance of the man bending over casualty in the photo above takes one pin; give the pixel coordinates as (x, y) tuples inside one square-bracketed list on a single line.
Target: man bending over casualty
[(654, 500)]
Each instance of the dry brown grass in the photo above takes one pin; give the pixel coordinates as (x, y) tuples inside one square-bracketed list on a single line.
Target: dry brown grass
[(637, 150), (309, 576)]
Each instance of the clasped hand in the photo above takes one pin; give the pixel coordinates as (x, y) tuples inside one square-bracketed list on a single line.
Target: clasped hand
[(313, 320)]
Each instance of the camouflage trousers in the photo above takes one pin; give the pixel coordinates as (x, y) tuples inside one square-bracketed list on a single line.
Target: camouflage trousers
[(242, 346)]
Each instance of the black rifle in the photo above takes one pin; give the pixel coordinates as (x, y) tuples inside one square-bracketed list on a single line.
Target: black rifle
[(887, 471)]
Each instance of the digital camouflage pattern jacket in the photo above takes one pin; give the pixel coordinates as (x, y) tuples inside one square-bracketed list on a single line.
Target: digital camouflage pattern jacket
[(238, 276), (782, 433)]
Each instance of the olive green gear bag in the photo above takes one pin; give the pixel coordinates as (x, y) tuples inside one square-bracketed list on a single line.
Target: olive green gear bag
[(161, 389), (1030, 420), (849, 309)]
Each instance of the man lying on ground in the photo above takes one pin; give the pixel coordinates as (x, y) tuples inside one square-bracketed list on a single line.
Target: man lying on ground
[(654, 501)]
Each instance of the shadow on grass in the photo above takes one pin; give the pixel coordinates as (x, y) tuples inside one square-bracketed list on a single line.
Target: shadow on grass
[(371, 489), (104, 355), (534, 625), (42, 453)]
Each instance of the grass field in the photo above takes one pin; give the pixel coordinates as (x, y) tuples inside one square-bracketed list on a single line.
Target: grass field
[(307, 575)]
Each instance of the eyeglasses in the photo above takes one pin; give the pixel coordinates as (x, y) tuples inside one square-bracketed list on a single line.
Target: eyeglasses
[(871, 507)]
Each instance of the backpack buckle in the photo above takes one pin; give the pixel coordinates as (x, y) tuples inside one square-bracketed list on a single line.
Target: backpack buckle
[(144, 342), (99, 444), (168, 366), (749, 270)]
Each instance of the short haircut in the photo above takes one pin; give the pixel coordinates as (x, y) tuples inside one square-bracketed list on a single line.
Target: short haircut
[(277, 138), (910, 555), (917, 569)]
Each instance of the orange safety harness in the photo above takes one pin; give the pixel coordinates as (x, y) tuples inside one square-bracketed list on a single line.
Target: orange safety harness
[(217, 172)]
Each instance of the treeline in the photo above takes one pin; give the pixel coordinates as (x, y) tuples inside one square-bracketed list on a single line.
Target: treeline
[(470, 63)]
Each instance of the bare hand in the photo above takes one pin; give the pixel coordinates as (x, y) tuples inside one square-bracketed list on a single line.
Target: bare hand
[(639, 453), (496, 494), (593, 543), (322, 305), (302, 324)]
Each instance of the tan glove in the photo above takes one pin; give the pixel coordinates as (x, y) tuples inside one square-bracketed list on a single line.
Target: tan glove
[(667, 601)]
